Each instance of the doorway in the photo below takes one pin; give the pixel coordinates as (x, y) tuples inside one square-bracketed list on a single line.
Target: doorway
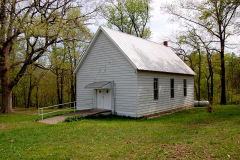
[(103, 99)]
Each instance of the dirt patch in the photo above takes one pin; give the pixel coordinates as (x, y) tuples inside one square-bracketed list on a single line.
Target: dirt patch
[(180, 152), (185, 152), (2, 126), (29, 111)]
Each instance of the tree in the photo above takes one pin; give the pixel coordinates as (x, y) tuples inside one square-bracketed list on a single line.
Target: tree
[(129, 16), (63, 58), (199, 39), (78, 39), (186, 46), (216, 17), (38, 24), (232, 72), (193, 41)]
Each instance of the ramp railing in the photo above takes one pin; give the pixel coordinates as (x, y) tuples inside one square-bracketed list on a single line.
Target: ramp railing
[(41, 113)]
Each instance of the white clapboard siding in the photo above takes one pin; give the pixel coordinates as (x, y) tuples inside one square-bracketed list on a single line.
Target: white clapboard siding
[(105, 60), (146, 104)]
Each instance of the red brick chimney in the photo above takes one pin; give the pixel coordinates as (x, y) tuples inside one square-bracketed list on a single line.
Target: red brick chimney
[(165, 43)]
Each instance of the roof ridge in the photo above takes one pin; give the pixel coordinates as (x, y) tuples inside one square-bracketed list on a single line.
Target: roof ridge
[(131, 35)]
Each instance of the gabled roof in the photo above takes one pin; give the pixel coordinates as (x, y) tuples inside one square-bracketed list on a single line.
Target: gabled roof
[(143, 54)]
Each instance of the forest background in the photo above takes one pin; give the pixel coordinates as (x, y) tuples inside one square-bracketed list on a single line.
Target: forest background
[(42, 41)]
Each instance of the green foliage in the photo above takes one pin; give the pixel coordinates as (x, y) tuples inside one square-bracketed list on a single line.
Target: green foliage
[(189, 134), (206, 25), (130, 16), (189, 42), (205, 15), (232, 77), (29, 32), (74, 118), (54, 70)]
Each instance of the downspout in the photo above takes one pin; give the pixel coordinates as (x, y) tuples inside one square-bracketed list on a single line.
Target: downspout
[(114, 98)]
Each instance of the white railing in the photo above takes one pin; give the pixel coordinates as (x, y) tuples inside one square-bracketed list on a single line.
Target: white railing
[(40, 110)]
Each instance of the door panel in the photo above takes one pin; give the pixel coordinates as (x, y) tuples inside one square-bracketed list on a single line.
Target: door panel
[(104, 98), (107, 99), (100, 98)]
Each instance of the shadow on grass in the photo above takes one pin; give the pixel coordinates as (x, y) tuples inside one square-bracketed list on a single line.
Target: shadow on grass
[(191, 116), (99, 117), (201, 116)]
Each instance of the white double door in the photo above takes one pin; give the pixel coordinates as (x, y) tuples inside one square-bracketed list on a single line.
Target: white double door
[(104, 98)]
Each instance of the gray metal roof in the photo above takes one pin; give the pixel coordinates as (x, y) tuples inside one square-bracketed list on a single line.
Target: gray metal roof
[(147, 55), (99, 85), (143, 54)]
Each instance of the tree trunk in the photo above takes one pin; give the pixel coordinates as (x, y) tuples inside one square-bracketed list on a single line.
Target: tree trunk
[(223, 86), (195, 88), (6, 100), (211, 77), (37, 98), (13, 100), (6, 90), (72, 81), (25, 95), (59, 87), (29, 92), (5, 52), (208, 88), (199, 76), (61, 90), (5, 81), (211, 87), (58, 90), (72, 88)]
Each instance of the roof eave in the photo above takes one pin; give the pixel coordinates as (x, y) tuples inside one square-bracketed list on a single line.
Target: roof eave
[(189, 74)]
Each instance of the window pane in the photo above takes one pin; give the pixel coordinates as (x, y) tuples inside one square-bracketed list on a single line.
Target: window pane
[(172, 83), (172, 93), (155, 94), (155, 88), (172, 88), (185, 87)]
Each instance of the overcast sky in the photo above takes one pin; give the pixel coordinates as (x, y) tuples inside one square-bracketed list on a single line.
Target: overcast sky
[(159, 24)]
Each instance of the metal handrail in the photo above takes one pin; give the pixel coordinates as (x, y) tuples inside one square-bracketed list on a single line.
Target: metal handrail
[(41, 114)]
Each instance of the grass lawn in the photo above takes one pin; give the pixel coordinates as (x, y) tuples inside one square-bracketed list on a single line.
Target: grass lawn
[(190, 134)]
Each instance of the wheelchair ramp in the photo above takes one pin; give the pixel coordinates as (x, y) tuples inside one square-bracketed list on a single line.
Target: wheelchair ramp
[(55, 120)]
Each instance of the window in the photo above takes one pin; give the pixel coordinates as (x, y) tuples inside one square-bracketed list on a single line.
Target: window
[(185, 87), (155, 88), (172, 88)]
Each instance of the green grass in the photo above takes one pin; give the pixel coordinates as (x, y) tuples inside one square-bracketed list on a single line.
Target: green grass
[(74, 118), (189, 134)]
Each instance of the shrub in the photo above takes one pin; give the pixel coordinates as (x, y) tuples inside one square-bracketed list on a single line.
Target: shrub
[(74, 118)]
